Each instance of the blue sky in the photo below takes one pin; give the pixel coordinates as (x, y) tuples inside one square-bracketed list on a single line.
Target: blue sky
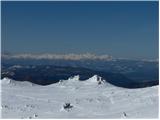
[(120, 29)]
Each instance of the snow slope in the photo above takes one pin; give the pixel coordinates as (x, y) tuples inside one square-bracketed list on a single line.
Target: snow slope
[(93, 98)]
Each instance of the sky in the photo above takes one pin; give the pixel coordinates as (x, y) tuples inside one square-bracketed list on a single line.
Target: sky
[(121, 29)]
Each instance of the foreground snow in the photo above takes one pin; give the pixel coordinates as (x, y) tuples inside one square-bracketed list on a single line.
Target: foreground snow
[(87, 98)]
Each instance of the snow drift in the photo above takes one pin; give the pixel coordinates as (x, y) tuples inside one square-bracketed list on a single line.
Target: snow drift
[(73, 98)]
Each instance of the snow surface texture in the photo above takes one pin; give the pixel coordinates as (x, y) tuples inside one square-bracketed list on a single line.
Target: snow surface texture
[(93, 98)]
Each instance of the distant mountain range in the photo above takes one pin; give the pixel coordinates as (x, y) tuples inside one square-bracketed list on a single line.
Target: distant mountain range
[(44, 75), (48, 56), (47, 70)]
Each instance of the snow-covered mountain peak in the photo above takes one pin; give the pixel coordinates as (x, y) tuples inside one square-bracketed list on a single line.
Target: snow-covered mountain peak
[(6, 81), (75, 81), (74, 78), (96, 79), (9, 82)]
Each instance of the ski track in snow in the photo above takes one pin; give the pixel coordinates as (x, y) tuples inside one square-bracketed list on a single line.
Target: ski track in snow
[(89, 100)]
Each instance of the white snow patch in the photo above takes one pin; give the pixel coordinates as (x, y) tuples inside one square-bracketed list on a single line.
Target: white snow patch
[(87, 98)]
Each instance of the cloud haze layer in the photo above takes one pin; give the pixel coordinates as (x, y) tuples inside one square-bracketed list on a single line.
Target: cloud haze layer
[(70, 56)]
